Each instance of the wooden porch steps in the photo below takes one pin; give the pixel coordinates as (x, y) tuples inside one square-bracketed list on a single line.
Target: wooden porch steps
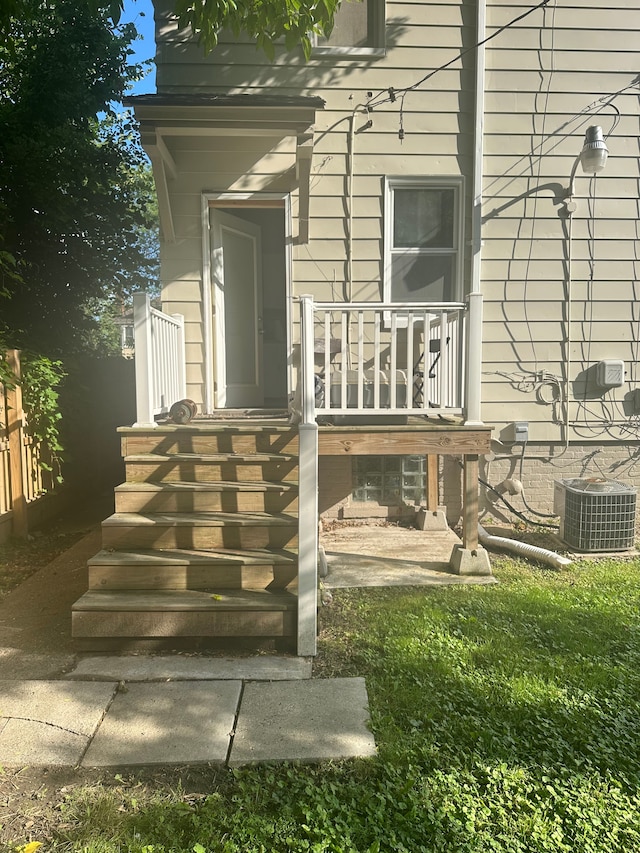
[(184, 569), (221, 496), (213, 467), (241, 438), (203, 543), (199, 530), (185, 613)]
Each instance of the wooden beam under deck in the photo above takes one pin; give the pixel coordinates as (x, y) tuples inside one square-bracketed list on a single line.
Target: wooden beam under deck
[(403, 440), (431, 440)]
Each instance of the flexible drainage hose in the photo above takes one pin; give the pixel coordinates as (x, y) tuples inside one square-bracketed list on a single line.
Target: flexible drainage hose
[(523, 549)]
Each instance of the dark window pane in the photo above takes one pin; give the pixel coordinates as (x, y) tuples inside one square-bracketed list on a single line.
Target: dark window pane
[(423, 218), (422, 278), (353, 25)]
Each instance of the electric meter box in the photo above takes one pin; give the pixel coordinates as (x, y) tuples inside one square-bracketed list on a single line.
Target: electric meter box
[(610, 373), (516, 432)]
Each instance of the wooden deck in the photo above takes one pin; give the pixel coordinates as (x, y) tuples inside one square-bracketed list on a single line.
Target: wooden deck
[(204, 540)]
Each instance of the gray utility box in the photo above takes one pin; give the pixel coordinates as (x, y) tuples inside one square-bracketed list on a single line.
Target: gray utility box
[(595, 514)]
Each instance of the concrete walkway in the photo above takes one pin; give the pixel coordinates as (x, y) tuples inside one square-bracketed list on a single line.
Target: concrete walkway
[(61, 708), (196, 714), (57, 708)]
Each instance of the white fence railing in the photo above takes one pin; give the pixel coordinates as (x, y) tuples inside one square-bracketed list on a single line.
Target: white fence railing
[(159, 359), (384, 359)]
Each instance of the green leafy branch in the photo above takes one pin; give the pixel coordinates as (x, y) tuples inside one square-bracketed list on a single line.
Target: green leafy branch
[(267, 21), (40, 379)]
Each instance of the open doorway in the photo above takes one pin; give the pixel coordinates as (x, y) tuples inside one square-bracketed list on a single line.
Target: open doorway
[(249, 274)]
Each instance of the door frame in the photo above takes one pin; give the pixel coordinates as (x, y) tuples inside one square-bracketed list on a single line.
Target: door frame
[(213, 362)]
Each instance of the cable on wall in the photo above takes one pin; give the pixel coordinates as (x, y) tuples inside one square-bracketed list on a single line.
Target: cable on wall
[(536, 178)]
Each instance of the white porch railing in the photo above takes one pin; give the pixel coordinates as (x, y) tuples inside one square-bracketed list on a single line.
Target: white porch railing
[(160, 363), (384, 359), (373, 360)]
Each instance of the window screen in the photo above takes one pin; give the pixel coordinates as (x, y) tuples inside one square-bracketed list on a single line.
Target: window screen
[(423, 240), (357, 24)]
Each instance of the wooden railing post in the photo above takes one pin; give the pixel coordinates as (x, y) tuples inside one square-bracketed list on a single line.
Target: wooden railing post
[(308, 490), (15, 434), (143, 360)]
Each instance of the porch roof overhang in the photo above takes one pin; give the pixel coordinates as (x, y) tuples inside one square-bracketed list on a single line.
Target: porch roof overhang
[(163, 116)]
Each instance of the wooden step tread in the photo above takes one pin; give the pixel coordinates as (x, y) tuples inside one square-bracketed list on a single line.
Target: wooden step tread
[(214, 428), (211, 457), (208, 486), (184, 600), (183, 557), (200, 519)]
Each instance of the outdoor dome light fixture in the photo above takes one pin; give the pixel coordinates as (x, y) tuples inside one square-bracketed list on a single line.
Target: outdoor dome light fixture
[(593, 156)]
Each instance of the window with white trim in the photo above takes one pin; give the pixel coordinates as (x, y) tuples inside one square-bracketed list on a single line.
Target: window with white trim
[(423, 239), (358, 30)]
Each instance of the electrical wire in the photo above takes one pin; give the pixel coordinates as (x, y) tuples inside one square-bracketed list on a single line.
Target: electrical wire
[(509, 506), (392, 94), (536, 178), (524, 501), (512, 509)]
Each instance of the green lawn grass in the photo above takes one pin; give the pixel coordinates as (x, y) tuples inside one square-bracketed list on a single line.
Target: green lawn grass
[(507, 719)]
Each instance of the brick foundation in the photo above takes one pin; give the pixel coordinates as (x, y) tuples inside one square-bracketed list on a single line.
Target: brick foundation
[(544, 464)]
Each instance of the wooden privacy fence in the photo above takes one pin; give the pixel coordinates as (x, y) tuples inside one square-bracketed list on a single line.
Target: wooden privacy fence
[(22, 477)]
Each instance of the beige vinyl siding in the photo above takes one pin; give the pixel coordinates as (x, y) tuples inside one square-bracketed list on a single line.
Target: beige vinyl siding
[(439, 141), (545, 79)]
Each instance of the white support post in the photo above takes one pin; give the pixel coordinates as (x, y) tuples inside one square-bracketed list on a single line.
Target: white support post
[(308, 540), (308, 491), (474, 361), (143, 360), (181, 360), (307, 360)]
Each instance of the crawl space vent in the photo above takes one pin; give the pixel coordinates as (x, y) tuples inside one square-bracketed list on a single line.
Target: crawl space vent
[(595, 515)]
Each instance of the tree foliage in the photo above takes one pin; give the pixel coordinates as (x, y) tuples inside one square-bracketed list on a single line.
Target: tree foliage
[(266, 21), (76, 203)]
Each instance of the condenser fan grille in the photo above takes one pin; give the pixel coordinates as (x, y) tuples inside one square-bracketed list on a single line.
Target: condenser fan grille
[(596, 515)]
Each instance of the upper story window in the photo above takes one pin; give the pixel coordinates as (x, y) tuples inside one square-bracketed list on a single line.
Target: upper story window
[(359, 31), (423, 239)]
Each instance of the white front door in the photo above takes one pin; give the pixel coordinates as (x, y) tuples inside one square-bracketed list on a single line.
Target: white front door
[(236, 270)]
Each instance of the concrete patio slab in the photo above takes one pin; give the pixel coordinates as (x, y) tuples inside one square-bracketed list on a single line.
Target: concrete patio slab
[(167, 723), (308, 721), (50, 722), (368, 556), (182, 668)]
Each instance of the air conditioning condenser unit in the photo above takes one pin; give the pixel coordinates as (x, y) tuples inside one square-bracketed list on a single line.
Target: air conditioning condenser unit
[(595, 514)]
